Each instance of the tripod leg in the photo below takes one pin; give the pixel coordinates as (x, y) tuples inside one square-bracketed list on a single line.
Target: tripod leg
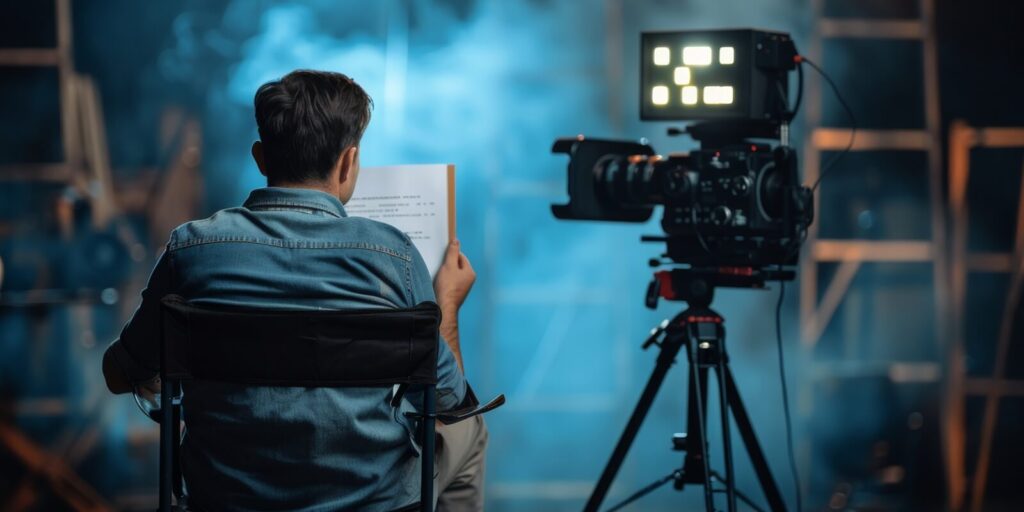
[(764, 474), (667, 356), (696, 443), (696, 466), (723, 407)]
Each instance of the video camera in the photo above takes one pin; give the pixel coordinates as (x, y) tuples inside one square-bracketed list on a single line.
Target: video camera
[(735, 202)]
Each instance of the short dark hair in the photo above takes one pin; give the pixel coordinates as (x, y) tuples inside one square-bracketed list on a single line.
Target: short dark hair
[(306, 120)]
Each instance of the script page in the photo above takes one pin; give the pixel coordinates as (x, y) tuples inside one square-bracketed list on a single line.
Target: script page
[(417, 199)]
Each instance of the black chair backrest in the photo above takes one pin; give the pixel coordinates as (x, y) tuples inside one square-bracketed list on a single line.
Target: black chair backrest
[(320, 348)]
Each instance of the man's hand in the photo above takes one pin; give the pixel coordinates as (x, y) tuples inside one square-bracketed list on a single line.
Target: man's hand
[(454, 279), (451, 286)]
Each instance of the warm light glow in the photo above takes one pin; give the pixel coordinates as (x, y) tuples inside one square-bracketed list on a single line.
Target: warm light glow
[(659, 95), (682, 75), (726, 55), (690, 95), (697, 55), (662, 56), (718, 95)]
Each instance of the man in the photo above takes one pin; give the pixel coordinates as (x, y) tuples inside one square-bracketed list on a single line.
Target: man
[(292, 246)]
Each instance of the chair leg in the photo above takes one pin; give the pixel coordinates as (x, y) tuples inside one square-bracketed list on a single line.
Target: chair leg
[(177, 487), (427, 460), (166, 445)]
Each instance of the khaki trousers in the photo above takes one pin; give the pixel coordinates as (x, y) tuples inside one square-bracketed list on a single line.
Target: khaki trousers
[(460, 463)]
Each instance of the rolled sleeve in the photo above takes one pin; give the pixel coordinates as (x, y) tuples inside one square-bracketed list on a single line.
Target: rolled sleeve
[(451, 383)]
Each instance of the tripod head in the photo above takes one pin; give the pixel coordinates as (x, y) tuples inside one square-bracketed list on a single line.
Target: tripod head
[(696, 285)]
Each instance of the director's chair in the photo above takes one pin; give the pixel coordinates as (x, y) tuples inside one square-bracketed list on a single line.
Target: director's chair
[(317, 348)]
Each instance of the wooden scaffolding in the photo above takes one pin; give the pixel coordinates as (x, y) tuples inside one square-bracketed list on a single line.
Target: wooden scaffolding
[(965, 262), (820, 298)]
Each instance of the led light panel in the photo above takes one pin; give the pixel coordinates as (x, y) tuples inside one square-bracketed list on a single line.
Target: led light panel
[(715, 75)]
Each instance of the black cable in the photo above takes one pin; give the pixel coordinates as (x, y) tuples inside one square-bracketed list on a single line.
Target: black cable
[(799, 92), (645, 491), (849, 112), (785, 396), (695, 219), (743, 497), (791, 113)]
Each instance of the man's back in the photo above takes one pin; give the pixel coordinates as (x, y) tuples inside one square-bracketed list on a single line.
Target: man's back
[(299, 448), (291, 246)]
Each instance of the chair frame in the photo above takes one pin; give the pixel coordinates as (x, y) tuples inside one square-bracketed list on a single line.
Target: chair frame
[(170, 405)]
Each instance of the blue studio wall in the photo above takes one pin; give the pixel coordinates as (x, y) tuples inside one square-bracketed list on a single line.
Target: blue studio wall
[(556, 319)]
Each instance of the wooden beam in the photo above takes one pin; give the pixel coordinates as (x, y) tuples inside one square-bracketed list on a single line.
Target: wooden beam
[(830, 301), (41, 407), (57, 172), (95, 152), (1018, 236), (60, 477), (961, 138), (29, 57), (836, 139), (873, 29), (808, 267), (993, 262), (178, 195), (873, 250), (896, 371), (999, 137), (988, 425), (981, 386)]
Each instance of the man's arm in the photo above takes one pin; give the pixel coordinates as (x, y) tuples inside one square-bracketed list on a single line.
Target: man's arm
[(449, 290), (135, 356), (451, 287)]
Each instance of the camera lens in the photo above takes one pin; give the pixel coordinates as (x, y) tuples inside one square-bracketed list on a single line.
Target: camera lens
[(640, 180), (677, 183)]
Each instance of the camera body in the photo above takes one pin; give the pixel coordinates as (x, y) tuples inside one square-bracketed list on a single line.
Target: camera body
[(735, 202), (736, 205)]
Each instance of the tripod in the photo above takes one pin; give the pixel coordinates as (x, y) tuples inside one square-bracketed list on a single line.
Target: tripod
[(701, 332)]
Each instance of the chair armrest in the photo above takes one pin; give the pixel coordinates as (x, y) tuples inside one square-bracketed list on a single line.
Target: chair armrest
[(458, 415)]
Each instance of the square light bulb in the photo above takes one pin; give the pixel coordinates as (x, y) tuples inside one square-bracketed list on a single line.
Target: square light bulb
[(682, 75), (726, 55), (689, 96), (718, 95), (659, 95), (662, 56), (697, 55)]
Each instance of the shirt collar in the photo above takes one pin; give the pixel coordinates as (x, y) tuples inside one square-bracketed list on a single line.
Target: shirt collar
[(300, 198)]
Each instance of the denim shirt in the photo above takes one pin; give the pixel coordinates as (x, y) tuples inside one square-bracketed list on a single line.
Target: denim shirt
[(284, 448)]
